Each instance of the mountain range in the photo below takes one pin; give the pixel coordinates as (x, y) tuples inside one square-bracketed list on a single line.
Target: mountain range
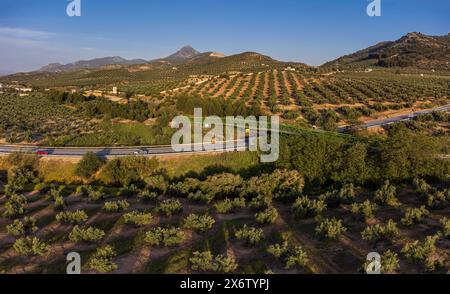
[(94, 63), (412, 50), (184, 54)]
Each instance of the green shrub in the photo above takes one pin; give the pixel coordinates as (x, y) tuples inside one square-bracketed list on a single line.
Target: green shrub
[(96, 195), (331, 229), (60, 204), (305, 208), (282, 185), (154, 237), (278, 250), (203, 261), (116, 206), (376, 233), (30, 246), (168, 237), (102, 260), (297, 257), (15, 206), (127, 170), (128, 191), (90, 192), (201, 197), (387, 195), (225, 264), (261, 202), (229, 206), (414, 215), (422, 253), (170, 207), (22, 174), (389, 262), (53, 194), (183, 189), (22, 228), (138, 219), (288, 184), (258, 187), (269, 216), (421, 186), (292, 256), (445, 222), (88, 165), (89, 234), (200, 223), (221, 186), (157, 184), (82, 190), (437, 200), (345, 195), (365, 210), (251, 236), (206, 262), (75, 217), (148, 195)]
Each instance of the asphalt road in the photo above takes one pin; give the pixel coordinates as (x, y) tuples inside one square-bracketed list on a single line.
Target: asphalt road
[(168, 150), (121, 151), (391, 120)]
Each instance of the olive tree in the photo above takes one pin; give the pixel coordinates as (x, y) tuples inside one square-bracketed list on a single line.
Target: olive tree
[(22, 227), (89, 234), (200, 223), (138, 219), (30, 246), (379, 232), (387, 195), (250, 235), (331, 228), (102, 260)]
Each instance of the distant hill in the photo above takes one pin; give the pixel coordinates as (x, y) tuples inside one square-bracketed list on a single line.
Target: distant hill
[(89, 64), (155, 73), (186, 53), (413, 50), (183, 54), (5, 73)]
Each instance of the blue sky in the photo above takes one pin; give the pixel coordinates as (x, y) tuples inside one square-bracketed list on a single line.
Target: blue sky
[(34, 33)]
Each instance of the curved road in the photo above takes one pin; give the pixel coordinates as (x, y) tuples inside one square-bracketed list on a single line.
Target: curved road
[(168, 150), (120, 151), (391, 120)]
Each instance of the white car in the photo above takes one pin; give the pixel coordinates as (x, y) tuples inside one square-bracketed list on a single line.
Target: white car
[(141, 152)]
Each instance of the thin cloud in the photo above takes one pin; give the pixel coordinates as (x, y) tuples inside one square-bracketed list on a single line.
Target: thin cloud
[(25, 49), (22, 33)]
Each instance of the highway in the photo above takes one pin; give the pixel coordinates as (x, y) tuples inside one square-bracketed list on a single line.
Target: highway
[(391, 120), (112, 152)]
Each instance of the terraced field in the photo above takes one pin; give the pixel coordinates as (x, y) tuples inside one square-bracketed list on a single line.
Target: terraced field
[(348, 97)]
